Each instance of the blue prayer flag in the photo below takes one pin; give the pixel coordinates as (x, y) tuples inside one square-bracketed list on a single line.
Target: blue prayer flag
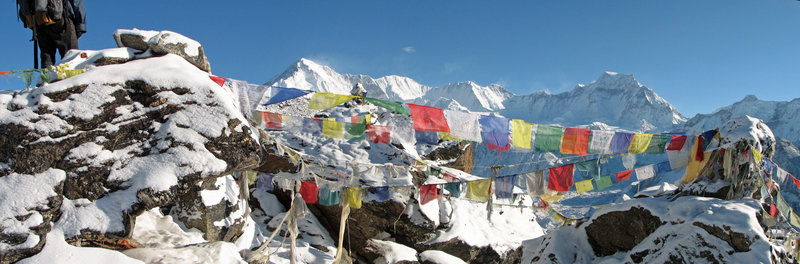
[(621, 142), (495, 131), (504, 186), (280, 94), (426, 137), (381, 193)]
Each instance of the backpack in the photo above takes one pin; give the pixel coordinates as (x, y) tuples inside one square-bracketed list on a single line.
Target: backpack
[(43, 12)]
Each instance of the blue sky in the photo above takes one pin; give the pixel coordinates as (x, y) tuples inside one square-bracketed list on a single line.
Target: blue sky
[(699, 55)]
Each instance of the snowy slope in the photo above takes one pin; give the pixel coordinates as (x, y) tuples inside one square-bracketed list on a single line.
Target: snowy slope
[(469, 95), (783, 117), (614, 99)]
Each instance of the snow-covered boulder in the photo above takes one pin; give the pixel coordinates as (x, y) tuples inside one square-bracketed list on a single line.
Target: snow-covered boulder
[(87, 154), (164, 42)]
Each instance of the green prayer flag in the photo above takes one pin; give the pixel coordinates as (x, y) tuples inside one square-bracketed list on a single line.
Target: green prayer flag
[(588, 166), (603, 182), (27, 77), (454, 188), (354, 129), (548, 138), (396, 107), (657, 144), (783, 207)]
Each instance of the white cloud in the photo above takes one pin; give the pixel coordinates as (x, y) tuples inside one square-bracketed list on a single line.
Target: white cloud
[(409, 49)]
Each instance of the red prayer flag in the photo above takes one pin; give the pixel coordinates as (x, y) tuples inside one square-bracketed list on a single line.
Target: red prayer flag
[(624, 175), (3, 72), (379, 134), (575, 141), (796, 182), (676, 143), (560, 178), (699, 153), (773, 210), (272, 120), (428, 118), (427, 193), (217, 79), (308, 189)]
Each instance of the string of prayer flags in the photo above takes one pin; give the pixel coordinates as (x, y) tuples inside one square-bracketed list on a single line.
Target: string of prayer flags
[(280, 94), (379, 134), (584, 186), (639, 143), (560, 178), (575, 141), (646, 172), (463, 125), (479, 190), (353, 196), (657, 144), (323, 100), (521, 134), (603, 182), (495, 132), (536, 183), (381, 193), (308, 189), (624, 175), (620, 142), (215, 79), (396, 107), (428, 118), (454, 188), (548, 138), (679, 151), (504, 186), (427, 193), (601, 142), (327, 196), (332, 128)]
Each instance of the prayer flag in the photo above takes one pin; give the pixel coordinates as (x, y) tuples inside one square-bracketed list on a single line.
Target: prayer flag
[(783, 207), (308, 189), (536, 183), (794, 220), (353, 197), (355, 131), (757, 156), (521, 134), (584, 186), (328, 197), (454, 188), (495, 132), (264, 182), (323, 100), (504, 186), (379, 134), (796, 182), (639, 143), (215, 79), (629, 161), (427, 193), (479, 190), (396, 107), (696, 163), (773, 210), (280, 94), (381, 193), (332, 128), (624, 175), (657, 144), (463, 125), (428, 118), (698, 151), (548, 138), (362, 119), (312, 126), (677, 142), (620, 142), (707, 136), (781, 175), (575, 141), (601, 142), (589, 166), (272, 120), (426, 137), (560, 178), (644, 173), (679, 158), (603, 182)]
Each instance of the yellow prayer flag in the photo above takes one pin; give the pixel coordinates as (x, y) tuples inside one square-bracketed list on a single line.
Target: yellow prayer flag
[(332, 128), (448, 136), (639, 143), (551, 197), (353, 197), (584, 186), (521, 134), (479, 190), (694, 167), (757, 155), (323, 100), (794, 219)]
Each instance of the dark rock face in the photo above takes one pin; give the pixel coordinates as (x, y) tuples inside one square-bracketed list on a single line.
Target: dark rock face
[(218, 222), (621, 231), (119, 141), (162, 43), (462, 154)]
